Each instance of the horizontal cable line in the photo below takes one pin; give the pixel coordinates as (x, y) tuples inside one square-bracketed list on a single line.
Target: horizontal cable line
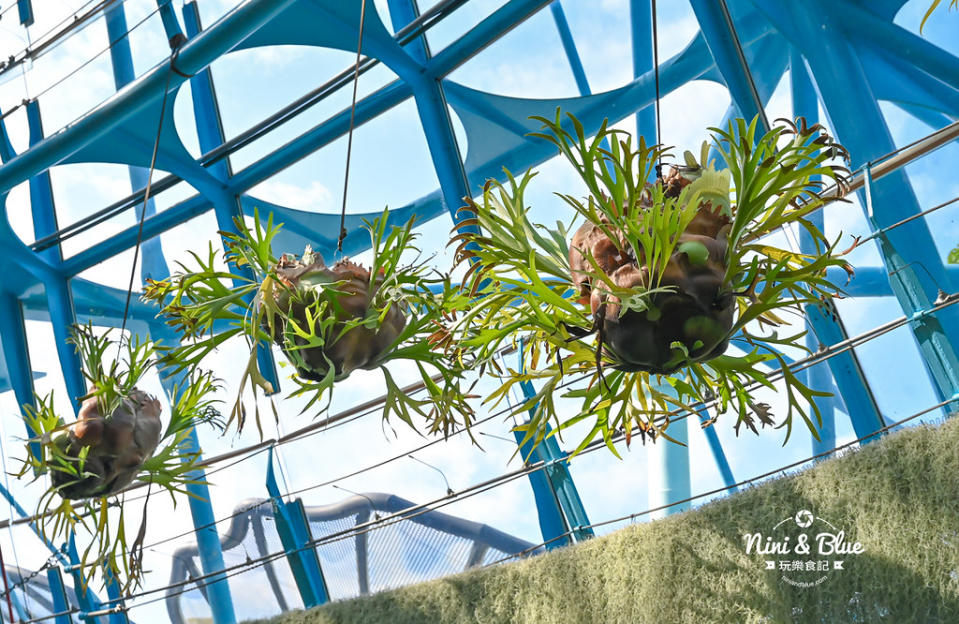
[(359, 529), (820, 356), (726, 488), (507, 477), (77, 25), (415, 28), (923, 213), (419, 509), (425, 445), (96, 56), (673, 416)]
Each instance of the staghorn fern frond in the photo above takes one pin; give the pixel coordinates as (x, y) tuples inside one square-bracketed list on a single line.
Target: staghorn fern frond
[(321, 317), (650, 248), (92, 461)]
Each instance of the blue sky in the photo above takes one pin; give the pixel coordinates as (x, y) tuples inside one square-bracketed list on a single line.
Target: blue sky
[(391, 166)]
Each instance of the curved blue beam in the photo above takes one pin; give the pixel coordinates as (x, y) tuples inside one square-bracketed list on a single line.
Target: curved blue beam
[(232, 29)]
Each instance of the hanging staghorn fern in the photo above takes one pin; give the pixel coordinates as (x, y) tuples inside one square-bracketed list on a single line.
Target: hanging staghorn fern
[(644, 298), (117, 439), (328, 320)]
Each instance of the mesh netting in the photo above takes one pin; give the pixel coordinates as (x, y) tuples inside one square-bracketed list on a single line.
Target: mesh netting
[(897, 497), (354, 562)]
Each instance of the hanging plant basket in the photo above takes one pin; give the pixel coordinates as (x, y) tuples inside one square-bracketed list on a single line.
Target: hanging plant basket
[(644, 296), (329, 320), (693, 309), (104, 454), (348, 291), (117, 439)]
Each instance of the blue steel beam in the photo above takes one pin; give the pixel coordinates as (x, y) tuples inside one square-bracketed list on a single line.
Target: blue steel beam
[(569, 46), (226, 206), (58, 595), (153, 263), (815, 29), (13, 339), (865, 27), (294, 531), (171, 25), (194, 56), (720, 34), (494, 26), (59, 298), (641, 31), (435, 118), (823, 323), (457, 53), (25, 9), (154, 266)]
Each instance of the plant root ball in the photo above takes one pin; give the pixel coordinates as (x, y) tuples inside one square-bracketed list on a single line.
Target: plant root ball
[(117, 444), (308, 281), (699, 313)]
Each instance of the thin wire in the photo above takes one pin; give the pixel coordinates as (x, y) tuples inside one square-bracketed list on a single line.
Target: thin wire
[(94, 57), (417, 510), (146, 195), (741, 55), (414, 29), (725, 488), (29, 53), (659, 128), (349, 136)]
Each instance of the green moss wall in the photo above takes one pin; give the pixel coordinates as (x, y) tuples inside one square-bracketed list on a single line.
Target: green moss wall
[(898, 497)]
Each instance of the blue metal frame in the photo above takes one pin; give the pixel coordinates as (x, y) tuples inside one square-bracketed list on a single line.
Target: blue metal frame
[(560, 509), (25, 10), (58, 593), (858, 56), (294, 531)]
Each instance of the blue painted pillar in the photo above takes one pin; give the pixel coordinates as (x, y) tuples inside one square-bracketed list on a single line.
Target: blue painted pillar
[(59, 297), (569, 46), (552, 523), (209, 128), (806, 104), (25, 9), (116, 600), (916, 270), (208, 541), (294, 531), (170, 23), (435, 117), (720, 35), (558, 504), (641, 19), (85, 598), (17, 355), (716, 448), (669, 467), (58, 595), (154, 266)]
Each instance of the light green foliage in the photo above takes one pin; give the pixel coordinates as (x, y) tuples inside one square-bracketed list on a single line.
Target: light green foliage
[(897, 497), (209, 306), (522, 291), (932, 7), (170, 466)]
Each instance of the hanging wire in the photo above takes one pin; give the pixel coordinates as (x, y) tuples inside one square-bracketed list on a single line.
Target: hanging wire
[(349, 136), (6, 585), (146, 195), (659, 128)]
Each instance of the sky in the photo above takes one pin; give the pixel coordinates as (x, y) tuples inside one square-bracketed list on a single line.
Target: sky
[(391, 167)]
